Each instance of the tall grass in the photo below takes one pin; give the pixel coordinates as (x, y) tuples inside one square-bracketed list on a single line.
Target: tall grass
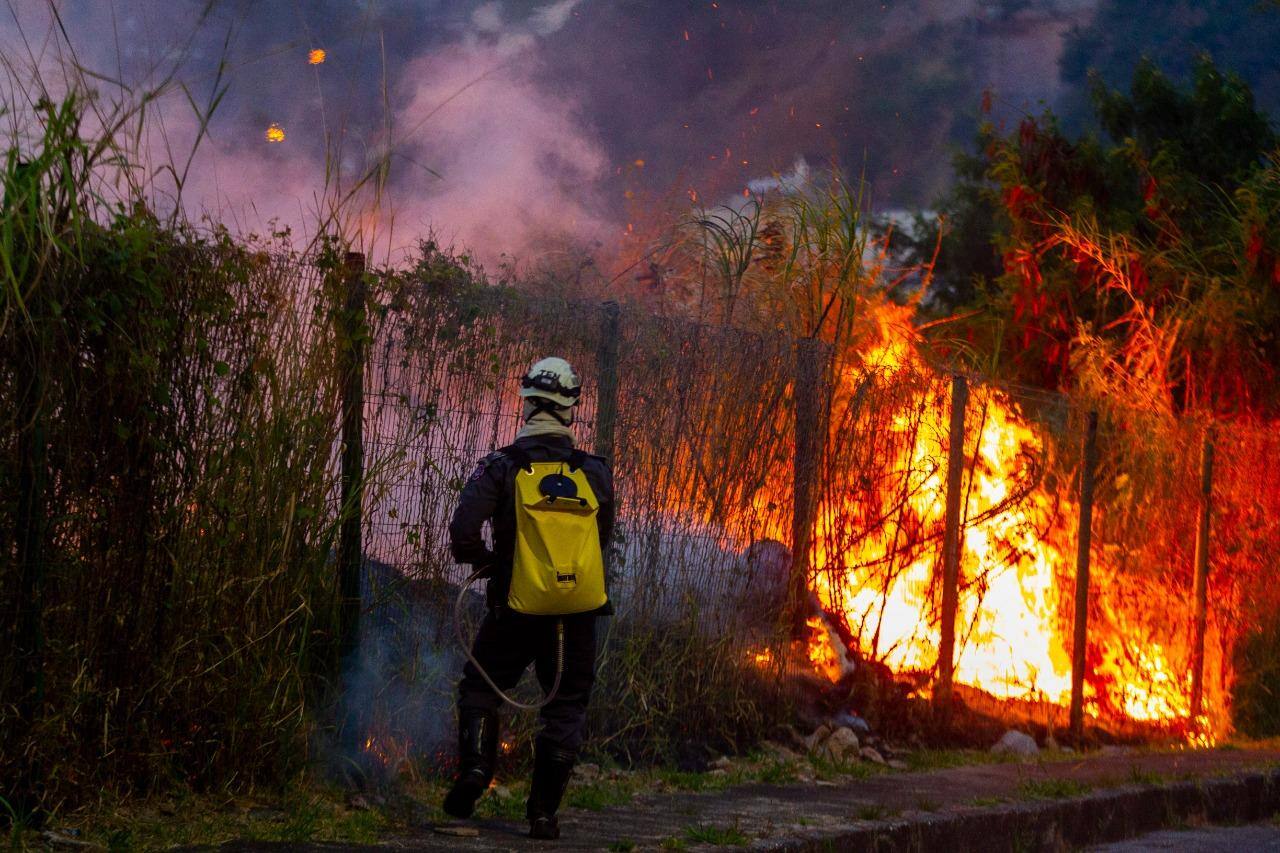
[(167, 507), (803, 260), (168, 442)]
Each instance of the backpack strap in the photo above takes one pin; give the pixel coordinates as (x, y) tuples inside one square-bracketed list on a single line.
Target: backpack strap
[(577, 459)]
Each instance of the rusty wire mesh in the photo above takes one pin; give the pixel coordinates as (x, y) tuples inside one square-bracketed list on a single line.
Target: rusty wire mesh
[(704, 460)]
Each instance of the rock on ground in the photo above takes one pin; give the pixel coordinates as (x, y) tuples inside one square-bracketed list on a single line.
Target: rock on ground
[(871, 754), (840, 746), (814, 740), (1017, 743)]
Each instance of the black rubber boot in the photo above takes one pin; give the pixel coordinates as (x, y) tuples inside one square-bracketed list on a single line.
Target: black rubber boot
[(552, 767), (477, 757)]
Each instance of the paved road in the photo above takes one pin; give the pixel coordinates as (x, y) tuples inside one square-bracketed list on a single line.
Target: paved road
[(1068, 803), (1260, 837)]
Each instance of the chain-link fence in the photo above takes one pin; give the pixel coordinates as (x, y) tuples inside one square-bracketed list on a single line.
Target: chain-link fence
[(202, 558), (703, 422), (696, 417)]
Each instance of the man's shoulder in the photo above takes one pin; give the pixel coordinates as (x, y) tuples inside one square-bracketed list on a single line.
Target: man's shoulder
[(595, 459), (598, 468), (492, 463)]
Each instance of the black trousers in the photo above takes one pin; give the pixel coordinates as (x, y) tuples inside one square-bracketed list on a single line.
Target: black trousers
[(505, 646)]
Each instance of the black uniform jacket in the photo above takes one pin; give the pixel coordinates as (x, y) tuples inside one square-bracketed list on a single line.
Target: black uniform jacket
[(489, 495)]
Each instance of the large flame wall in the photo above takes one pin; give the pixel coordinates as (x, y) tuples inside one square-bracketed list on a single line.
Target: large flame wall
[(878, 540)]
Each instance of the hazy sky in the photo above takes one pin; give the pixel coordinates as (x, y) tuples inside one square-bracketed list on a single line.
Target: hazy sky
[(510, 124)]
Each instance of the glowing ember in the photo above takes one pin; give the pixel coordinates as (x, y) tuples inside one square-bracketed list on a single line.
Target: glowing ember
[(275, 133), (316, 56)]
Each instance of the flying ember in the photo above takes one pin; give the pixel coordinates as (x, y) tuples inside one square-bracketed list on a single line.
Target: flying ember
[(275, 133), (316, 56)]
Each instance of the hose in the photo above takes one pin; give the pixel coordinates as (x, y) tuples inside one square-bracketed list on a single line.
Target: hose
[(466, 649)]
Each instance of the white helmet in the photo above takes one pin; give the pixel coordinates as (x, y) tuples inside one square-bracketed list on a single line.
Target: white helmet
[(552, 379)]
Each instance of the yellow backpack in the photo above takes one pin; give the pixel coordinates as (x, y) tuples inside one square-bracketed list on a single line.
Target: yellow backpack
[(558, 567)]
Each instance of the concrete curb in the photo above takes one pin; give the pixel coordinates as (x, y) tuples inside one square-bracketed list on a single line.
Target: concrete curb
[(1096, 818)]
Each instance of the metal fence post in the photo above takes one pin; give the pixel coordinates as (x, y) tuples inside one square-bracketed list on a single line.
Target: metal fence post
[(1084, 539), (353, 351), (607, 382), (951, 546), (809, 437), (1202, 576)]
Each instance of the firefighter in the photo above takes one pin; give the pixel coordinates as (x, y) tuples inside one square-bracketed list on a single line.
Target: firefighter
[(541, 609)]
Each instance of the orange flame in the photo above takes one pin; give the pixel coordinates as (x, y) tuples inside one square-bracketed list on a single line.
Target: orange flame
[(1018, 562), (316, 56), (275, 133), (392, 753), (825, 650)]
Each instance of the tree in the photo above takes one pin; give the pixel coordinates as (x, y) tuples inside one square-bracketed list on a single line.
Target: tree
[(1239, 35), (1147, 260)]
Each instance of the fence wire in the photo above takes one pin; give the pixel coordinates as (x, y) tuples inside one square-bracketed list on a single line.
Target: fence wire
[(174, 577), (705, 457)]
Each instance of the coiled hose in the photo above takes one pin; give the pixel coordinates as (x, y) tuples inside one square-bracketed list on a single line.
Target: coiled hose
[(466, 649)]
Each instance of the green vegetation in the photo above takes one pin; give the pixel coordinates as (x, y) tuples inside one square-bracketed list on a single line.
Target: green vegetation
[(595, 797), (1257, 661), (1086, 256), (941, 759), (317, 812), (304, 815), (873, 811), (172, 606), (852, 769), (927, 804), (720, 836), (983, 802), (1138, 776)]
